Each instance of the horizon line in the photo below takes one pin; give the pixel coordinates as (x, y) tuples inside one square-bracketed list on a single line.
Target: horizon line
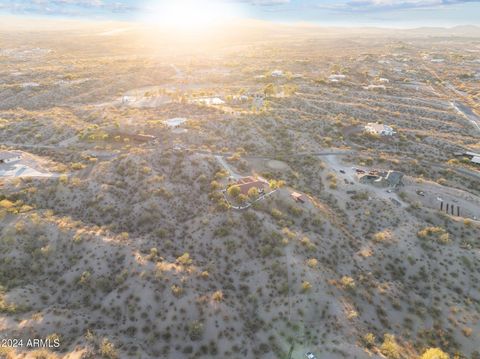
[(305, 23)]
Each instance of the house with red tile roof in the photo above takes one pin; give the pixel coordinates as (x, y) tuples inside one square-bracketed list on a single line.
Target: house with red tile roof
[(245, 184)]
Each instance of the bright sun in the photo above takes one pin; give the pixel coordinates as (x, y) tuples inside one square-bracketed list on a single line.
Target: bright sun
[(192, 15)]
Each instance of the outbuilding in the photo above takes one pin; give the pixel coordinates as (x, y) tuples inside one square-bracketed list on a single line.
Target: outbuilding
[(298, 197)]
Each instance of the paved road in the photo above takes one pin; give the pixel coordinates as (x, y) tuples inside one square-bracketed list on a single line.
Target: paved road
[(467, 112), (279, 155), (23, 145)]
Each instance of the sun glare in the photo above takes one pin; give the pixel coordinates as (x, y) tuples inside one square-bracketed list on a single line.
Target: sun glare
[(192, 15)]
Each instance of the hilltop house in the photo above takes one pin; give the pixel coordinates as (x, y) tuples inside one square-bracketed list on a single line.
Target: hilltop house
[(277, 73), (245, 184), (175, 122), (379, 129), (9, 157), (336, 78), (374, 87)]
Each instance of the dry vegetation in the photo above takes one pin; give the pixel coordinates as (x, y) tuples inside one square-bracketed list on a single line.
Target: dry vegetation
[(132, 251)]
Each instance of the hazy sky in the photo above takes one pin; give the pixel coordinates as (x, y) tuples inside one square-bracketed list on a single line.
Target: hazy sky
[(329, 12)]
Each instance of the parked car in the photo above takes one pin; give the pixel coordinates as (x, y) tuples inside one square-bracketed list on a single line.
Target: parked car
[(342, 171), (310, 355)]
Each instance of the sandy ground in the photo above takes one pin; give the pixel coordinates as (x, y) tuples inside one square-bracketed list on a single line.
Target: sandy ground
[(277, 165), (334, 163), (434, 194)]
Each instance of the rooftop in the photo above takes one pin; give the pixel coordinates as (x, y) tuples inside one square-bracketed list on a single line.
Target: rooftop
[(247, 183), (378, 127), (6, 155), (174, 122)]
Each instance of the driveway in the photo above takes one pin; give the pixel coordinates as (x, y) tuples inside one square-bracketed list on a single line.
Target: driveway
[(227, 167)]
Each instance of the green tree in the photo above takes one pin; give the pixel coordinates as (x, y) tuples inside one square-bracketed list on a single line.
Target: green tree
[(234, 191), (253, 193)]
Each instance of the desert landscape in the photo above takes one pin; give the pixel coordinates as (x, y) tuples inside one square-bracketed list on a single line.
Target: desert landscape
[(262, 192)]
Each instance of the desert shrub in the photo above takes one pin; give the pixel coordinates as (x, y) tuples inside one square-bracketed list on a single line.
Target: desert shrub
[(253, 193), (347, 282), (275, 213), (214, 185), (43, 354), (434, 353), (436, 234), (184, 259), (7, 353), (306, 286), (234, 191), (107, 349), (6, 204), (217, 296), (177, 291), (389, 347), (305, 241), (369, 340), (382, 236), (195, 330)]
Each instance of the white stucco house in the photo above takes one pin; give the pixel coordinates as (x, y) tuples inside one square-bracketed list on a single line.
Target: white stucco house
[(175, 122), (277, 73), (379, 129), (336, 77)]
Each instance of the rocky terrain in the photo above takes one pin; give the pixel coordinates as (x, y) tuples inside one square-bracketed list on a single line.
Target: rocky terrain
[(127, 246)]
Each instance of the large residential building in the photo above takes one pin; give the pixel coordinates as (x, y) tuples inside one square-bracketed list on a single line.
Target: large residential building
[(381, 178), (8, 157), (247, 183)]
